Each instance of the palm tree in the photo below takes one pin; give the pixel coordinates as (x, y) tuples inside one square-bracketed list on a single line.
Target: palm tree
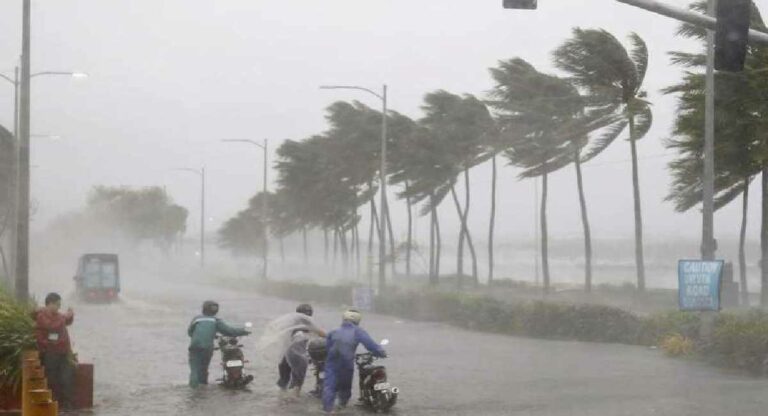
[(737, 129), (614, 76), (400, 129), (536, 113), (427, 168)]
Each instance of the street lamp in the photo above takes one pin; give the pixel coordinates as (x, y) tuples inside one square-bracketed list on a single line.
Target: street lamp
[(264, 207), (17, 83), (201, 173), (382, 173), (20, 169)]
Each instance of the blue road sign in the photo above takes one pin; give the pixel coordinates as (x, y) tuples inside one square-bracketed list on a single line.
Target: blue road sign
[(699, 284), (362, 298)]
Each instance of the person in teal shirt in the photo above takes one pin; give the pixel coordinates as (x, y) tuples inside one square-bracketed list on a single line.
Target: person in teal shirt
[(202, 331)]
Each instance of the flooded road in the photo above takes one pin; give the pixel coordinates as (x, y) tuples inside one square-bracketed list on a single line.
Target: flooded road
[(139, 346)]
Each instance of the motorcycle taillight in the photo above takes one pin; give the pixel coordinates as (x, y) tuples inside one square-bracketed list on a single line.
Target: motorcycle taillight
[(379, 375)]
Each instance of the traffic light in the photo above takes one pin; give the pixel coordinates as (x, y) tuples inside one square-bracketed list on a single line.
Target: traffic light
[(520, 4), (732, 34)]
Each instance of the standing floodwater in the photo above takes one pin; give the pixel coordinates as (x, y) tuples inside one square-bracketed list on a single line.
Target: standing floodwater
[(139, 350)]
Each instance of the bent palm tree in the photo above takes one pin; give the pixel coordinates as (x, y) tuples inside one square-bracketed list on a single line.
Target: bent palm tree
[(613, 77)]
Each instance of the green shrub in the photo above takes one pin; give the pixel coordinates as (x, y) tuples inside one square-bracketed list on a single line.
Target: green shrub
[(739, 341), (657, 326), (16, 335)]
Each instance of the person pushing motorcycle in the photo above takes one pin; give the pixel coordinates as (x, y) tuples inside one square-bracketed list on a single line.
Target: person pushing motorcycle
[(294, 362), (341, 345), (202, 331)]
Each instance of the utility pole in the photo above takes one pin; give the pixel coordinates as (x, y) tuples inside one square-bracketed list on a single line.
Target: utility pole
[(22, 236)]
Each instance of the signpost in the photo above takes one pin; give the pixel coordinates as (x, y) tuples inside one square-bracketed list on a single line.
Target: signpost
[(362, 298), (700, 282)]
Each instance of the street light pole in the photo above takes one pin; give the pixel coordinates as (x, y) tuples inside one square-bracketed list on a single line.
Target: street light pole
[(264, 206), (20, 169), (382, 175), (708, 227)]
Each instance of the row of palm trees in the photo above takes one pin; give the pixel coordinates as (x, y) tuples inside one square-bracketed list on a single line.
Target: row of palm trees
[(539, 122)]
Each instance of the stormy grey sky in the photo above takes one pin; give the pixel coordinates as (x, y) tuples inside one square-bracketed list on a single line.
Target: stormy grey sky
[(169, 79)]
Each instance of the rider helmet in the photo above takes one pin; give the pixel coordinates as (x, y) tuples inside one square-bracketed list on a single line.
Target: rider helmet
[(352, 315), (210, 308)]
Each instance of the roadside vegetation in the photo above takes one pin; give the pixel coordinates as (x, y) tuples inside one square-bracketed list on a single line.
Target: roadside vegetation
[(736, 339), (16, 335)]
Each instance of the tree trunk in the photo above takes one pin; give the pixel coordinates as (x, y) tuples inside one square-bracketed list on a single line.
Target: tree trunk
[(585, 224), (465, 232), (358, 262), (639, 260), (306, 252), (344, 250), (544, 234), (3, 258), (470, 244), (764, 241), (439, 247), (335, 246), (409, 242), (742, 243), (492, 226), (460, 252), (432, 232), (325, 240), (370, 240)]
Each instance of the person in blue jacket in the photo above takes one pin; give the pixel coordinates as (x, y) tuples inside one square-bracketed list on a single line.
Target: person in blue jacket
[(202, 331), (341, 345)]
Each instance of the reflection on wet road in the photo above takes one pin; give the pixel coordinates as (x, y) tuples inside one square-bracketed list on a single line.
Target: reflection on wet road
[(139, 349)]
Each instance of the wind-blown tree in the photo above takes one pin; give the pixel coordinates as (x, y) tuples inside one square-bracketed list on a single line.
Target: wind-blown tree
[(613, 75), (536, 112), (738, 124), (429, 169), (138, 214), (462, 123), (243, 234), (400, 130)]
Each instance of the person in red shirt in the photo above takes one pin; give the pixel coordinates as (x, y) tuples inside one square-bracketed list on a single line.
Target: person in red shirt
[(55, 348)]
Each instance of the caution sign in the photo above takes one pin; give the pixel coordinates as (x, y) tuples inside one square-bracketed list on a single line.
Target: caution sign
[(699, 284), (362, 298)]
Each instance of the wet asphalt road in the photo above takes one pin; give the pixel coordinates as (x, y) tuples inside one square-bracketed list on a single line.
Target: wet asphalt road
[(139, 345)]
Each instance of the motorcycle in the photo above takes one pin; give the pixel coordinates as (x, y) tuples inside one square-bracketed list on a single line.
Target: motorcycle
[(376, 392), (233, 362), (317, 355)]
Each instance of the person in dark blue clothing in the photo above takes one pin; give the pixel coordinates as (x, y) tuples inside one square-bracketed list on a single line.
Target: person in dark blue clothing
[(341, 345)]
